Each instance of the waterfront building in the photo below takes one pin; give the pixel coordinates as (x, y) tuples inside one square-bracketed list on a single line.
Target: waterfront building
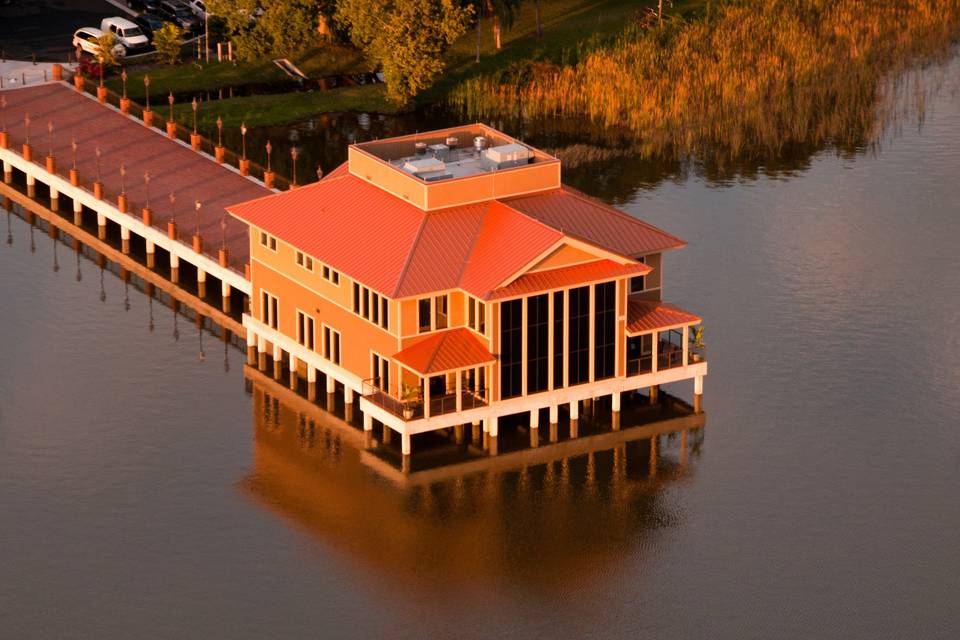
[(449, 278)]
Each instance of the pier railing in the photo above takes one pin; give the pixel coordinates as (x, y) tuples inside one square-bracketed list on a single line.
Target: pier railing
[(414, 409)]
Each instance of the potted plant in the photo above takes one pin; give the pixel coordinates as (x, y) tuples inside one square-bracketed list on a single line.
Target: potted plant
[(696, 343), (410, 395)]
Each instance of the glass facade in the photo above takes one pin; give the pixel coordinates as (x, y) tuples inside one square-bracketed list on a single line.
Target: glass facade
[(511, 348), (578, 352), (538, 356), (604, 330)]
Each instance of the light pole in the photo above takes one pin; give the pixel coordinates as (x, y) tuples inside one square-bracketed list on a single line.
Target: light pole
[(146, 90), (269, 151), (293, 156)]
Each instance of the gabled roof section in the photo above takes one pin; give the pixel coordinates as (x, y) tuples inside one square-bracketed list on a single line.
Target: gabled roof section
[(445, 351), (507, 242), (580, 216), (585, 273), (644, 316)]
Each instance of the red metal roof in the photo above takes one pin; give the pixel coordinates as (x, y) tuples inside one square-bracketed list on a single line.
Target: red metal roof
[(445, 351), (580, 216), (644, 316), (569, 276)]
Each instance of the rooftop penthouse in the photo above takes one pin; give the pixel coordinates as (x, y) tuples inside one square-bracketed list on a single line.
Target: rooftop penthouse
[(450, 279)]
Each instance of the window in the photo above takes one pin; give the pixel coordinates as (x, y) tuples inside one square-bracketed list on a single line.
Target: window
[(476, 315), (511, 348), (366, 303), (356, 298), (305, 261), (384, 314), (331, 345), (423, 315), (537, 344), (578, 353), (604, 330), (380, 368), (305, 330), (331, 275), (638, 283), (375, 308), (269, 310), (440, 320), (268, 241), (558, 340)]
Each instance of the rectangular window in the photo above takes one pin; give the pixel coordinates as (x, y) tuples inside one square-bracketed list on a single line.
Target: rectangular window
[(441, 312), (384, 314), (380, 368), (366, 303), (423, 315), (304, 261), (604, 330), (472, 313), (481, 317), (558, 340), (305, 330), (638, 283), (356, 298), (335, 278), (375, 308), (331, 345), (511, 348), (537, 343), (269, 310), (268, 241), (326, 272), (578, 352)]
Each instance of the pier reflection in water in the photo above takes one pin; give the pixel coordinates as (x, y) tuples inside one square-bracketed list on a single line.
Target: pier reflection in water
[(541, 516)]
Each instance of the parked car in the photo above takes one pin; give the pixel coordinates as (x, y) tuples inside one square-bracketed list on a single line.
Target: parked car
[(127, 33), (149, 23), (179, 14), (143, 5), (87, 39), (198, 7)]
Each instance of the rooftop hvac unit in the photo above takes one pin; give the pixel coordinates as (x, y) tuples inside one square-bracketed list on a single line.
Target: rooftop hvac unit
[(508, 155), (439, 151)]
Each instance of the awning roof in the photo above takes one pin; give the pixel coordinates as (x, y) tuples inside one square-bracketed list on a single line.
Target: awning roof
[(644, 316), (580, 274), (445, 351)]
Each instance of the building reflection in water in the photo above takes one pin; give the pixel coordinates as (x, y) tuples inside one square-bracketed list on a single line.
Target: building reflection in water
[(544, 516)]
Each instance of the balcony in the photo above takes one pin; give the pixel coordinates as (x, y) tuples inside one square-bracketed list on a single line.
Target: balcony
[(414, 409), (669, 356)]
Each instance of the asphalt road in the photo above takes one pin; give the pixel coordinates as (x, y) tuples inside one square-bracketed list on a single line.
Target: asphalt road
[(45, 27)]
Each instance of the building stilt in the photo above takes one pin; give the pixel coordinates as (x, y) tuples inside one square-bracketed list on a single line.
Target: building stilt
[(294, 365), (251, 347), (698, 394), (534, 428), (311, 384)]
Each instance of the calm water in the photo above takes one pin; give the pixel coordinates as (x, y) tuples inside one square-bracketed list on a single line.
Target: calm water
[(146, 493)]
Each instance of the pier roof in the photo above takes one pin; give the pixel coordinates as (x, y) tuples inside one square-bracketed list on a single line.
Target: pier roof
[(444, 351), (173, 166)]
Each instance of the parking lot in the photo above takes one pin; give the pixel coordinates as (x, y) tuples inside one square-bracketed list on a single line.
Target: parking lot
[(45, 27)]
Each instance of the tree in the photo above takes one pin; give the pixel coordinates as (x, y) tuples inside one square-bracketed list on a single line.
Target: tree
[(107, 57), (502, 13), (407, 38), (284, 29), (168, 41)]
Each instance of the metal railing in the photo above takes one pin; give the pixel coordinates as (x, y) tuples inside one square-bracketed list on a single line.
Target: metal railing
[(414, 409)]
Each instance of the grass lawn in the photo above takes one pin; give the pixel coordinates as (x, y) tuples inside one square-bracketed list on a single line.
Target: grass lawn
[(286, 107), (189, 77)]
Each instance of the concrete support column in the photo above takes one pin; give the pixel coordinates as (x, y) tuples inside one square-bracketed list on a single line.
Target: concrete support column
[(574, 418), (367, 422), (124, 240), (535, 428), (348, 403), (251, 347), (698, 394), (77, 212), (490, 427), (7, 172), (405, 444), (331, 392), (386, 434), (475, 434), (458, 433), (31, 180), (654, 393), (615, 402), (151, 254), (101, 226), (554, 422), (225, 296), (277, 361), (54, 199), (174, 267), (261, 353), (201, 283), (311, 383), (293, 371)]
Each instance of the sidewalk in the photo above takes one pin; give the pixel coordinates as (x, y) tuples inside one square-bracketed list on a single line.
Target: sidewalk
[(20, 73)]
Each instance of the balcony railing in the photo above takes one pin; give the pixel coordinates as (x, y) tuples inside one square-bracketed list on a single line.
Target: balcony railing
[(669, 356), (414, 409)]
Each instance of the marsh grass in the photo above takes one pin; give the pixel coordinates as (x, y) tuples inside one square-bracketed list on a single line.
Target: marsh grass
[(742, 80)]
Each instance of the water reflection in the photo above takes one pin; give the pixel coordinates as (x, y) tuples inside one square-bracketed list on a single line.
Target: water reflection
[(544, 517)]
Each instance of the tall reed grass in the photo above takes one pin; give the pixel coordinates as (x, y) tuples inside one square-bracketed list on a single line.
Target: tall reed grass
[(744, 79)]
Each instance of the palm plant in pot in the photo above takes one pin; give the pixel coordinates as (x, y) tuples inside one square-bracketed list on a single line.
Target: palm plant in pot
[(697, 345), (410, 395)]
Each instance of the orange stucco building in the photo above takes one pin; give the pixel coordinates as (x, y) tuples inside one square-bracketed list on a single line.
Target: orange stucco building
[(450, 278)]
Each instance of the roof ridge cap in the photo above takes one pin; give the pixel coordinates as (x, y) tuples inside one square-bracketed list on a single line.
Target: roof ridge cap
[(409, 258)]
